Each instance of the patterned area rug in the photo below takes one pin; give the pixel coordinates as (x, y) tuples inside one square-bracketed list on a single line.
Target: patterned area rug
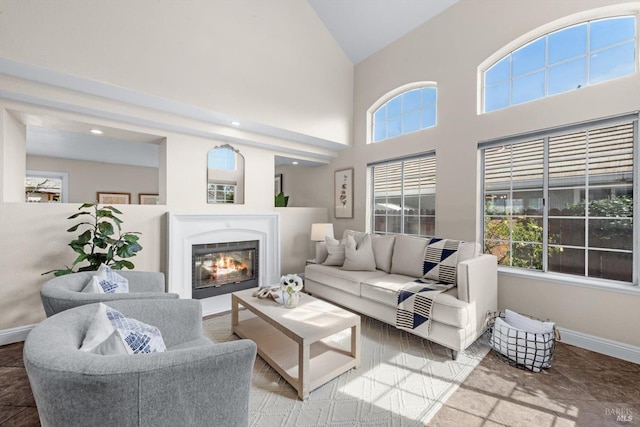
[(403, 380)]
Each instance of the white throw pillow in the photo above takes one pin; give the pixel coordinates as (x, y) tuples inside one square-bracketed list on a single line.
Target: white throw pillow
[(111, 333), (408, 255), (359, 257), (107, 281), (527, 324), (336, 251)]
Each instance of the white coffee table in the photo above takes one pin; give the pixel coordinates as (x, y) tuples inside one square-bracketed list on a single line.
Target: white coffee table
[(293, 341)]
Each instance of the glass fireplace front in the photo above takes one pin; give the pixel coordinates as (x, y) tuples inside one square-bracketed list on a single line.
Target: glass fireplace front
[(220, 268)]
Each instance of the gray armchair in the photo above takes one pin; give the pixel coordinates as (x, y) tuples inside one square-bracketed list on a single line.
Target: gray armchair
[(194, 383), (64, 292)]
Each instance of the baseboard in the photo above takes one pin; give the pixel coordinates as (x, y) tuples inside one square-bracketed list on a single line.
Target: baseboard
[(601, 345), (9, 336)]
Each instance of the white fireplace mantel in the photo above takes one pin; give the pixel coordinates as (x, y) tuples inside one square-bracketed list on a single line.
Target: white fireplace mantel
[(187, 229)]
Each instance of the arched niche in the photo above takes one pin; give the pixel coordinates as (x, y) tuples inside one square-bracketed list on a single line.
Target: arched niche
[(225, 175)]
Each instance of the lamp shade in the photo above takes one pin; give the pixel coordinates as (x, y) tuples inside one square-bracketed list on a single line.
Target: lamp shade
[(319, 231)]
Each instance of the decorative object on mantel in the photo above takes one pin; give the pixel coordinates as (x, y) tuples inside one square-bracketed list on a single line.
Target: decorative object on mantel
[(291, 285), (343, 193), (103, 242)]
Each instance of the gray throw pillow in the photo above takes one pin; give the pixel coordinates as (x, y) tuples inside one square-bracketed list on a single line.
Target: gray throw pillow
[(383, 251), (359, 257), (336, 251)]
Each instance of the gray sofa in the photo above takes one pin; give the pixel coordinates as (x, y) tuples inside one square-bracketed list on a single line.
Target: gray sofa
[(194, 383), (64, 292), (459, 315)]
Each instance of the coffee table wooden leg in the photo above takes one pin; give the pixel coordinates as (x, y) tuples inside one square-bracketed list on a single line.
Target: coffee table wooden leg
[(234, 311), (303, 371), (355, 343)]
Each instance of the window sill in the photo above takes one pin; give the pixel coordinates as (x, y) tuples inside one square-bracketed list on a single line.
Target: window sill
[(563, 279)]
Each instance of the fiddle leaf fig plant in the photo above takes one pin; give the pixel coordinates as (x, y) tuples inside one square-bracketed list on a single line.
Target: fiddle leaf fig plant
[(101, 242)]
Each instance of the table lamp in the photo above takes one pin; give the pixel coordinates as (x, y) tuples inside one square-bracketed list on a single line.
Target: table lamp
[(318, 233)]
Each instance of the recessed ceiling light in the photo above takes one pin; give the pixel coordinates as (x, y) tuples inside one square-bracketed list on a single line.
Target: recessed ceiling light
[(96, 131), (294, 163), (235, 123)]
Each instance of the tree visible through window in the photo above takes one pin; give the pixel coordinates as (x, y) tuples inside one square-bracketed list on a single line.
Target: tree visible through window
[(408, 112), (567, 59), (404, 193), (563, 202)]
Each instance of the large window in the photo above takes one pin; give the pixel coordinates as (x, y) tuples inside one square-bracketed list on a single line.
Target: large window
[(568, 59), (404, 193), (562, 201), (407, 112)]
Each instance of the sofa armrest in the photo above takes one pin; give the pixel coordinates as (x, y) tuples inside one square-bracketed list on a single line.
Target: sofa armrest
[(478, 285)]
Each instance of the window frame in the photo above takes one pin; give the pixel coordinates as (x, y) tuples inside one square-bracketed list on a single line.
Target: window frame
[(372, 199), (391, 95), (567, 278), (614, 11)]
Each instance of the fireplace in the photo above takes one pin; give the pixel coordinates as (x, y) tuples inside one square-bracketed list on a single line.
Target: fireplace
[(221, 268), (185, 230)]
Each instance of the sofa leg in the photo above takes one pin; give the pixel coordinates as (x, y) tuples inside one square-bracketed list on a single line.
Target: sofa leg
[(454, 355)]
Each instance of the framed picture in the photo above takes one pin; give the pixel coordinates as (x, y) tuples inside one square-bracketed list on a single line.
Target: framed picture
[(278, 184), (111, 198), (147, 199), (343, 193)]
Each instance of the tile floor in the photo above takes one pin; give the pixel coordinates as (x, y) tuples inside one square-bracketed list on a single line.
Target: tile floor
[(581, 388)]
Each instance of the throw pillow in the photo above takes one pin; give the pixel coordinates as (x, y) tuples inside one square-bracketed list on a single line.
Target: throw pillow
[(383, 251), (336, 251), (107, 281), (441, 260), (359, 257), (110, 332), (408, 256)]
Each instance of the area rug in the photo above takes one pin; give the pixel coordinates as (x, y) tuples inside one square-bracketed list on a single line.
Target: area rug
[(403, 380)]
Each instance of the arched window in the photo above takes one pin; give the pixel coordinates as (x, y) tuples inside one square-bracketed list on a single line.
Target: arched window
[(412, 109), (584, 54)]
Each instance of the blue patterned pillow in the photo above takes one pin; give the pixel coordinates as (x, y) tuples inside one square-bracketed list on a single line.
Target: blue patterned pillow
[(112, 333), (107, 282)]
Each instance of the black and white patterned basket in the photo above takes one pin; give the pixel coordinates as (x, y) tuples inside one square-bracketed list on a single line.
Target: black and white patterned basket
[(524, 350)]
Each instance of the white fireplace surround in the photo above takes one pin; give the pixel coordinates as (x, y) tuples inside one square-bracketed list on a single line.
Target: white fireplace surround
[(188, 229)]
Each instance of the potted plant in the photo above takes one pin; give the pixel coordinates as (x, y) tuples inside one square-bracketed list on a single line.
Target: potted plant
[(102, 242)]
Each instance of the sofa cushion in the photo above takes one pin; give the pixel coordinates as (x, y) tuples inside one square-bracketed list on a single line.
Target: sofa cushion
[(447, 308), (345, 280), (360, 256), (383, 251), (408, 256), (336, 251)]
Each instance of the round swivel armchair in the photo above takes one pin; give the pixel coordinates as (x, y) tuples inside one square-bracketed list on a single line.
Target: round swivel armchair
[(65, 292), (195, 382)]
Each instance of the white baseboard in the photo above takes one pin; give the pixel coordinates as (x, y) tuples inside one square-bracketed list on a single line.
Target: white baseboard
[(9, 336), (601, 345)]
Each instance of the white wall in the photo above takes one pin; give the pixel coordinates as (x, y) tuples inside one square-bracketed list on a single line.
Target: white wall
[(448, 50), (87, 178), (250, 59), (246, 59)]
